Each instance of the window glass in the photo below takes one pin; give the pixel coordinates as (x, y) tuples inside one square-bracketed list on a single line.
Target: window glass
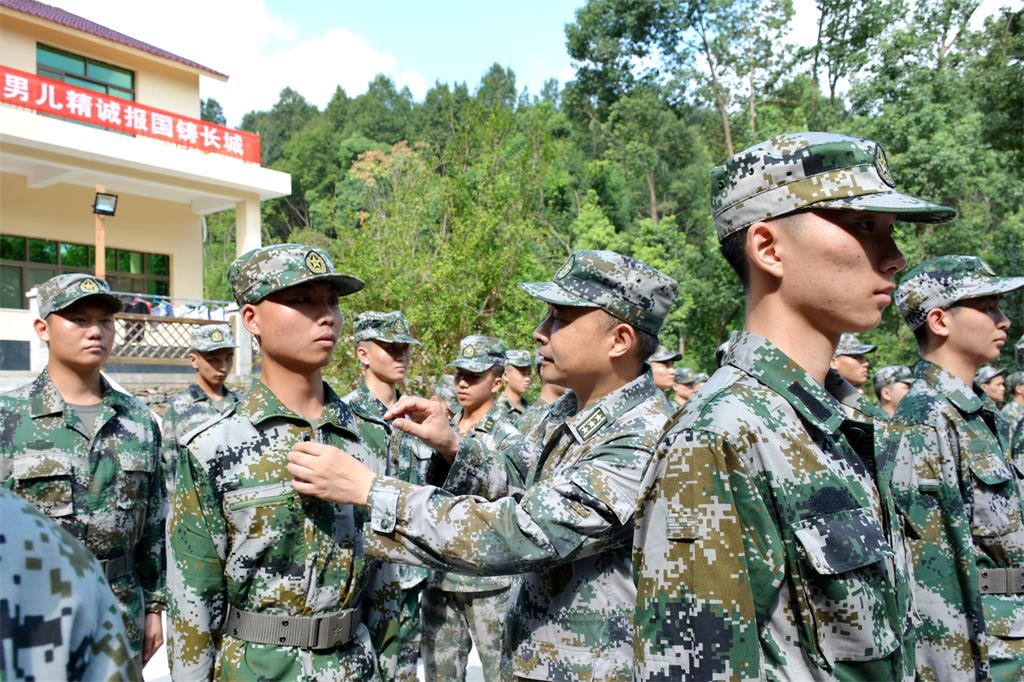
[(40, 275), (59, 60), (109, 75), (12, 248), (42, 251), (158, 287), (11, 295), (110, 255), (129, 261), (84, 84), (158, 264), (74, 256), (123, 94)]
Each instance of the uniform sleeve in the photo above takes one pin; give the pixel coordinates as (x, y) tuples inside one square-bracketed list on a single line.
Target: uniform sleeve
[(584, 510), (169, 443), (151, 552), (696, 614), (198, 547), (491, 473)]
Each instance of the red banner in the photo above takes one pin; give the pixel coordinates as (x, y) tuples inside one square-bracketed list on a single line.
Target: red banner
[(86, 106)]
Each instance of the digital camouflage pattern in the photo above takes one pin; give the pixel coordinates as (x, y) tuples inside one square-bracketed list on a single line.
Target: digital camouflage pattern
[(512, 411), (810, 170), (562, 516), (519, 358), (445, 390), (849, 344), (943, 281), (1013, 410), (185, 411), (663, 354), (767, 541), (685, 376), (390, 327), (986, 373), (533, 416), (479, 353), (979, 520), (268, 269), (240, 534), (620, 285), (57, 293), (891, 374), (58, 618), (396, 640), (211, 337), (105, 488)]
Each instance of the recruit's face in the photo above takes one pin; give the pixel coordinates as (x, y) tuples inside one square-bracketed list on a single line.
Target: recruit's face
[(996, 389), (840, 268), (389, 362), (80, 336), (575, 345), (518, 378), (897, 392), (474, 389), (213, 366), (977, 329), (853, 368), (297, 326), (664, 374), (683, 391)]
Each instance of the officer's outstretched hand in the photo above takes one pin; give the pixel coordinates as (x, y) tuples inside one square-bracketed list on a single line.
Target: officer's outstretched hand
[(328, 473), (428, 421)]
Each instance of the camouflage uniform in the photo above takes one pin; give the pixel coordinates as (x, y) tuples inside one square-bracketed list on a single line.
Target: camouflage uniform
[(568, 522), (1013, 411), (242, 540), (192, 407), (396, 640), (521, 359), (533, 416), (976, 527), (768, 544), (58, 618), (105, 487)]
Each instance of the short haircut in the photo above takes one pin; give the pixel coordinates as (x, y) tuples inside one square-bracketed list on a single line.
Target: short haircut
[(646, 343), (733, 249)]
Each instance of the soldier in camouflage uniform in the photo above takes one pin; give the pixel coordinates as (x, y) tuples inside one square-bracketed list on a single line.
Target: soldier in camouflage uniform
[(848, 359), (568, 524), (266, 583), (382, 348), (1013, 410), (891, 386), (683, 380), (88, 456), (211, 352), (58, 618), (663, 367), (970, 557), (992, 381), (768, 544), (518, 377)]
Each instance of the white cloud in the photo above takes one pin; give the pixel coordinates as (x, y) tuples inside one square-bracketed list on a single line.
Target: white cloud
[(256, 48)]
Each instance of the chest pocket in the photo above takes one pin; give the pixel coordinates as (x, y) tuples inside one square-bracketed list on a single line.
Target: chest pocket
[(843, 586), (994, 508), (133, 479), (43, 477)]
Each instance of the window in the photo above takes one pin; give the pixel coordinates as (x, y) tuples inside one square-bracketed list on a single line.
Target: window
[(26, 262), (84, 72)]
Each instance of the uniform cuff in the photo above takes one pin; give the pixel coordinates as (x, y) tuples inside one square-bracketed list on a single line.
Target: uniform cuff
[(383, 499)]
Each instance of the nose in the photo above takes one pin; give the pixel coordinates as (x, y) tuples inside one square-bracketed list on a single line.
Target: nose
[(892, 259), (543, 331), (1002, 321)]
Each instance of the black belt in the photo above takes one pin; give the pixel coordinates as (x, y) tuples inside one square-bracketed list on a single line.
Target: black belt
[(306, 632)]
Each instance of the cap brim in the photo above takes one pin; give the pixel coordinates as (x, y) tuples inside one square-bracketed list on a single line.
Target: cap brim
[(470, 365), (863, 349), (396, 338), (113, 301), (674, 357), (346, 284), (998, 286), (549, 292), (218, 346), (906, 208)]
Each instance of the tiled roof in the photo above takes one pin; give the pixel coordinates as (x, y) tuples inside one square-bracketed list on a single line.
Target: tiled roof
[(64, 18)]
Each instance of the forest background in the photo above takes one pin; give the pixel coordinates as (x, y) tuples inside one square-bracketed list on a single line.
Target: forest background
[(443, 205)]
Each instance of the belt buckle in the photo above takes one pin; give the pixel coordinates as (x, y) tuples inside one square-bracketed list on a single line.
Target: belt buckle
[(1015, 580), (320, 633)]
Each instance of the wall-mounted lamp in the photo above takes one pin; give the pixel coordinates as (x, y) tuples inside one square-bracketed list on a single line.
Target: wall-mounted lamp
[(105, 204)]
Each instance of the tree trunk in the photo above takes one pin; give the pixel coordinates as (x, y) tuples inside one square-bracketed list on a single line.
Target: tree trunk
[(652, 197), (720, 103), (752, 108)]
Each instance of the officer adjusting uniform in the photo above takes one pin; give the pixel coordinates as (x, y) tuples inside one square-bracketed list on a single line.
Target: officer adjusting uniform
[(266, 583), (60, 619), (397, 641), (192, 407), (968, 504), (568, 526), (103, 484), (768, 544)]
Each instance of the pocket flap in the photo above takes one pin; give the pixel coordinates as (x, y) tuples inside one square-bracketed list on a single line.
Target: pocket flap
[(990, 469), (256, 496), (41, 464), (842, 541)]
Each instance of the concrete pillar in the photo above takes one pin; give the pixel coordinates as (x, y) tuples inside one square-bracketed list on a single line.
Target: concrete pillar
[(247, 237), (38, 351)]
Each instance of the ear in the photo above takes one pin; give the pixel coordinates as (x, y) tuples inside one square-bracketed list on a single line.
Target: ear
[(362, 355), (834, 362), (623, 340), (42, 329), (885, 395), (193, 359), (498, 385), (939, 322), (249, 319), (764, 248)]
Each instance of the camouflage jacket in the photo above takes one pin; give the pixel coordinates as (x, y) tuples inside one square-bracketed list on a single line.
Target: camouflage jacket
[(239, 534), (534, 415), (571, 612), (1012, 412), (105, 488), (977, 489), (764, 548), (492, 432), (58, 618), (186, 411), (400, 455), (513, 412)]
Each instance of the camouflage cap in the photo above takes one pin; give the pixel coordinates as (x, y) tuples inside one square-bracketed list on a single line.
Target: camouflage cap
[(620, 285), (210, 337), (685, 375), (986, 373), (817, 170), (57, 293), (519, 358), (1013, 381), (887, 376), (479, 353), (260, 272), (849, 344), (388, 327), (445, 390), (665, 355), (700, 376), (946, 280)]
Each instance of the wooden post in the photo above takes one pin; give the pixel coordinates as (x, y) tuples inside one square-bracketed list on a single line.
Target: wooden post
[(100, 265)]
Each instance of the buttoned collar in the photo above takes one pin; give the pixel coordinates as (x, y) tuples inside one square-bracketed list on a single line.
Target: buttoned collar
[(585, 423), (260, 404), (966, 398), (46, 399)]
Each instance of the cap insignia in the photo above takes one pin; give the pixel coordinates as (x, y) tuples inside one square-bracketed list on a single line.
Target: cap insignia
[(564, 270), (469, 351), (217, 336), (399, 327), (89, 286), (882, 166), (316, 263)]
